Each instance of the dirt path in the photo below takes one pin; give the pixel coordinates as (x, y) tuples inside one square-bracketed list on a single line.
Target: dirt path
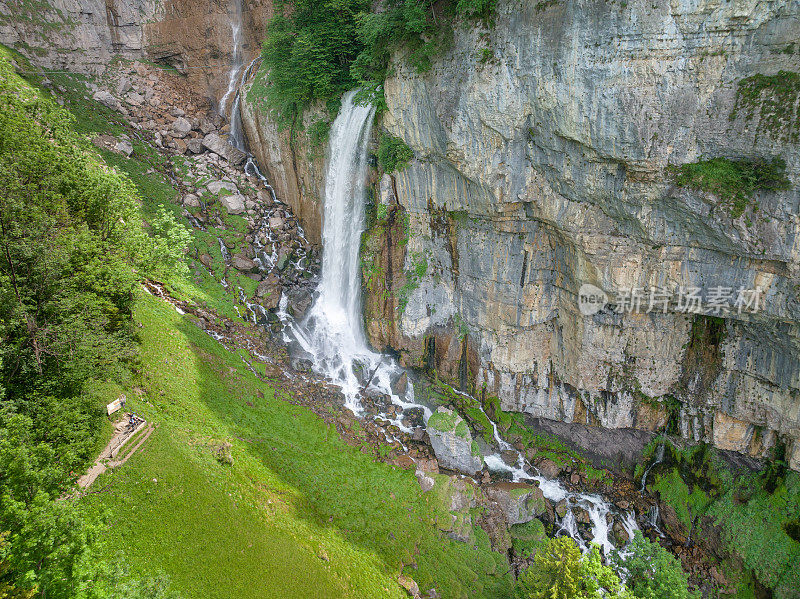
[(122, 435)]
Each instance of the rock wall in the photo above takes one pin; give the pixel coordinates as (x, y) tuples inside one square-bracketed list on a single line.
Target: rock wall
[(541, 146), (86, 35), (293, 167)]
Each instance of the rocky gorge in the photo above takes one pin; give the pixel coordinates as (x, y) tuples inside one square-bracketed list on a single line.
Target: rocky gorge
[(542, 154)]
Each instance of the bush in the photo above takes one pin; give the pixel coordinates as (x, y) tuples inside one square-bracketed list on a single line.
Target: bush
[(316, 50), (393, 153), (560, 571)]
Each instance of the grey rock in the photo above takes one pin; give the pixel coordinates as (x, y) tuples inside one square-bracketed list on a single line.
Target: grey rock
[(134, 99), (452, 442), (221, 147), (124, 147), (195, 146), (105, 98), (123, 86), (234, 204), (181, 127), (190, 200), (520, 502), (243, 263), (217, 186)]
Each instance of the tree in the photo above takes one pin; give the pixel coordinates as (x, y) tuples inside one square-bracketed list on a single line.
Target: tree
[(560, 571), (653, 572)]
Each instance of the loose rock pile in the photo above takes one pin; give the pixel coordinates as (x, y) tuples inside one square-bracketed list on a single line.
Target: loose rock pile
[(207, 170)]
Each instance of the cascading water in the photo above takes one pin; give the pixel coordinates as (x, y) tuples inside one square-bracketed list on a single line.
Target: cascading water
[(659, 457), (238, 62), (332, 334)]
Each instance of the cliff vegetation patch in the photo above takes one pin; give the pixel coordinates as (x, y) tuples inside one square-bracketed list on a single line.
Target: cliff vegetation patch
[(393, 153), (734, 182), (317, 50), (776, 101)]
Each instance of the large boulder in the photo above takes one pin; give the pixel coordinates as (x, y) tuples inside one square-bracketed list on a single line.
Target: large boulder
[(215, 143), (520, 502), (216, 186), (105, 98), (452, 442), (181, 128), (244, 263), (234, 204)]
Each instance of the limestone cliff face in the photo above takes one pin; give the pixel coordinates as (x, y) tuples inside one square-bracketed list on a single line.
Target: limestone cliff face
[(294, 168), (85, 35), (76, 35), (541, 146)]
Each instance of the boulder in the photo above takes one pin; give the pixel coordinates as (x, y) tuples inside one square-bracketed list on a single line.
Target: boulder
[(520, 502), (123, 86), (621, 536), (548, 468), (269, 291), (426, 482), (190, 200), (452, 442), (181, 128), (234, 204), (299, 301), (105, 98), (411, 587), (195, 146), (125, 147), (243, 263), (215, 143), (134, 99), (216, 186)]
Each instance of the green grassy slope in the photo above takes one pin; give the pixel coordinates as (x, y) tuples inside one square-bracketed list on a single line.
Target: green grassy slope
[(298, 514)]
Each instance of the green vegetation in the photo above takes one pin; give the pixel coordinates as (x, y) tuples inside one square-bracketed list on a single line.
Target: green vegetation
[(776, 100), (527, 538), (560, 571), (653, 572), (733, 181), (283, 494), (393, 153), (317, 50), (443, 421), (755, 511), (72, 250), (414, 276)]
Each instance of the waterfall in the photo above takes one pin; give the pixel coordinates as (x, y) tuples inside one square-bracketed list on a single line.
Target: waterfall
[(332, 334), (236, 79), (238, 62), (659, 457)]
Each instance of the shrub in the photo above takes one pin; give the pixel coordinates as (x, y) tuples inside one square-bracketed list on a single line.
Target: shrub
[(560, 571), (653, 572), (393, 153)]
